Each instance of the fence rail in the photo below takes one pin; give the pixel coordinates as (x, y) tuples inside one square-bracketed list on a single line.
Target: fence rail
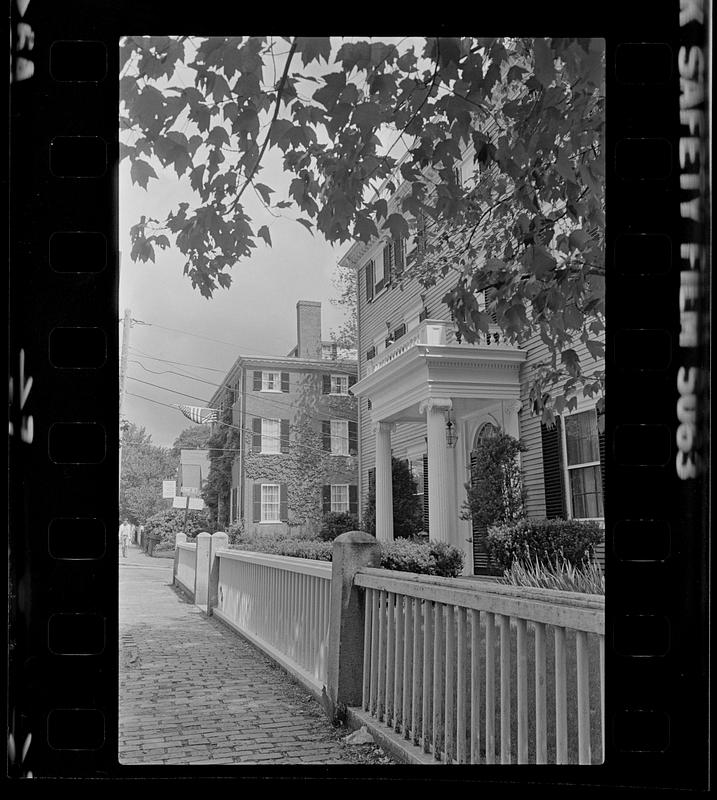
[(474, 675), (468, 672), (280, 603), (186, 565)]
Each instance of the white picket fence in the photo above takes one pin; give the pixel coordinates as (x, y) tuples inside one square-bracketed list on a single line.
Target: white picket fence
[(461, 671), (186, 565), (282, 605), (444, 660)]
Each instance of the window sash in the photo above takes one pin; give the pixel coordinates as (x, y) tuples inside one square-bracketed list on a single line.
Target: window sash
[(340, 498), (270, 502), (271, 436), (586, 492), (339, 437), (581, 465), (581, 439), (271, 381), (339, 384)]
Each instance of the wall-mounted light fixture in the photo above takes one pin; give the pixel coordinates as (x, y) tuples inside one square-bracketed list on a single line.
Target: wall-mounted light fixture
[(451, 432)]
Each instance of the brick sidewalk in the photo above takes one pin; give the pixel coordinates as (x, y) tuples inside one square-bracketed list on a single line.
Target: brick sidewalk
[(192, 691)]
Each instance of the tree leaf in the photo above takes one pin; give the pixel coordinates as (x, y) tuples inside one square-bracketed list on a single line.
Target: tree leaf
[(306, 224), (141, 172), (544, 63), (264, 233), (595, 348), (398, 226), (314, 48), (264, 191)]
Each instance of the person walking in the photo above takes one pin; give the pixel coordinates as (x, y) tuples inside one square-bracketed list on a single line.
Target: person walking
[(125, 532)]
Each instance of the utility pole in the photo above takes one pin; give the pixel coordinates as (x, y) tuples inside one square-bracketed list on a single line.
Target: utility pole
[(127, 324)]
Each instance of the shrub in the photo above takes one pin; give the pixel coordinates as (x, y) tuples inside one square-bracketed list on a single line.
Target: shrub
[(572, 540), (407, 505), (334, 524), (427, 558), (235, 530), (167, 524), (496, 492), (558, 574)]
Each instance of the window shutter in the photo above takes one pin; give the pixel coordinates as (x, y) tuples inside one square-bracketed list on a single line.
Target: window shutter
[(601, 440), (257, 503), (326, 499), (284, 436), (326, 387), (353, 438), (387, 264), (352, 380), (353, 499), (553, 471), (257, 381), (256, 435), (399, 332), (370, 353), (398, 254), (283, 503), (369, 281), (372, 480), (284, 381), (326, 434), (423, 315), (425, 492)]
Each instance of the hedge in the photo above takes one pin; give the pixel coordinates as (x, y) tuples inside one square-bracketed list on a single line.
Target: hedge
[(167, 524), (427, 558), (570, 539)]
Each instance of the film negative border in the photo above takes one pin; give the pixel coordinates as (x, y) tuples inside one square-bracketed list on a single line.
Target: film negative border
[(64, 399)]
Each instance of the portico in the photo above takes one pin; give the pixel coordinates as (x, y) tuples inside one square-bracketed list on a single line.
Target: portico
[(428, 377)]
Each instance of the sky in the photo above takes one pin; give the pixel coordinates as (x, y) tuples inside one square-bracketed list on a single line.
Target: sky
[(255, 316)]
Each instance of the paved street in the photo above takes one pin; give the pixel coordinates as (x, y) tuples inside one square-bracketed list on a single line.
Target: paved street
[(194, 692)]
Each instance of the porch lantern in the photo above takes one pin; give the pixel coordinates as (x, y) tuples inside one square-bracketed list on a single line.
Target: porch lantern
[(451, 434)]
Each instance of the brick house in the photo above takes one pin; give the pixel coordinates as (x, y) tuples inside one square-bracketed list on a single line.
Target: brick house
[(427, 398), (298, 449)]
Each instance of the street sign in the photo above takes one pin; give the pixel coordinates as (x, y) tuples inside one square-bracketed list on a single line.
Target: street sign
[(190, 491), (169, 489), (179, 502), (196, 503)]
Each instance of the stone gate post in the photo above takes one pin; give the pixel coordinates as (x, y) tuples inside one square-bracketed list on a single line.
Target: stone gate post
[(351, 552)]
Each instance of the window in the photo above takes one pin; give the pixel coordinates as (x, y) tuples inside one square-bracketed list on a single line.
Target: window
[(270, 502), (271, 436), (339, 437), (271, 381), (329, 352), (582, 462), (337, 384), (380, 272), (340, 498)]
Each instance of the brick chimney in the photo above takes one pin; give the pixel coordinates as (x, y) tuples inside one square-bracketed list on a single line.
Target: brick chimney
[(308, 329)]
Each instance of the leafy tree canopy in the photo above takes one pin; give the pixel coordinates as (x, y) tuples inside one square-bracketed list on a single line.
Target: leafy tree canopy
[(193, 438), (144, 467), (527, 226)]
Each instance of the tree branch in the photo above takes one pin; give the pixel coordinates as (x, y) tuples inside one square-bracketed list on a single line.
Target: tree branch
[(279, 91)]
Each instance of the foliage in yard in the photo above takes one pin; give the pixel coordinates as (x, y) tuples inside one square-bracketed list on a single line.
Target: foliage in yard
[(428, 558), (335, 523), (144, 467), (570, 539), (223, 448), (526, 225), (556, 573), (167, 524), (496, 493), (407, 506)]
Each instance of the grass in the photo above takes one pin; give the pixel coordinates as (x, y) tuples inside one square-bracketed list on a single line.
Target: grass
[(558, 574)]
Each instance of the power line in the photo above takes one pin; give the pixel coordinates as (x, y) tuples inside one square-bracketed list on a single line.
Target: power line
[(236, 427), (177, 363), (200, 336), (280, 402)]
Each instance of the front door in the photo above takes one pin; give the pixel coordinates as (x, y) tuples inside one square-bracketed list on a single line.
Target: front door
[(481, 560)]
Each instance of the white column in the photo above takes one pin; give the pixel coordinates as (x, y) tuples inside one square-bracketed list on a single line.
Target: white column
[(384, 483), (439, 489)]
